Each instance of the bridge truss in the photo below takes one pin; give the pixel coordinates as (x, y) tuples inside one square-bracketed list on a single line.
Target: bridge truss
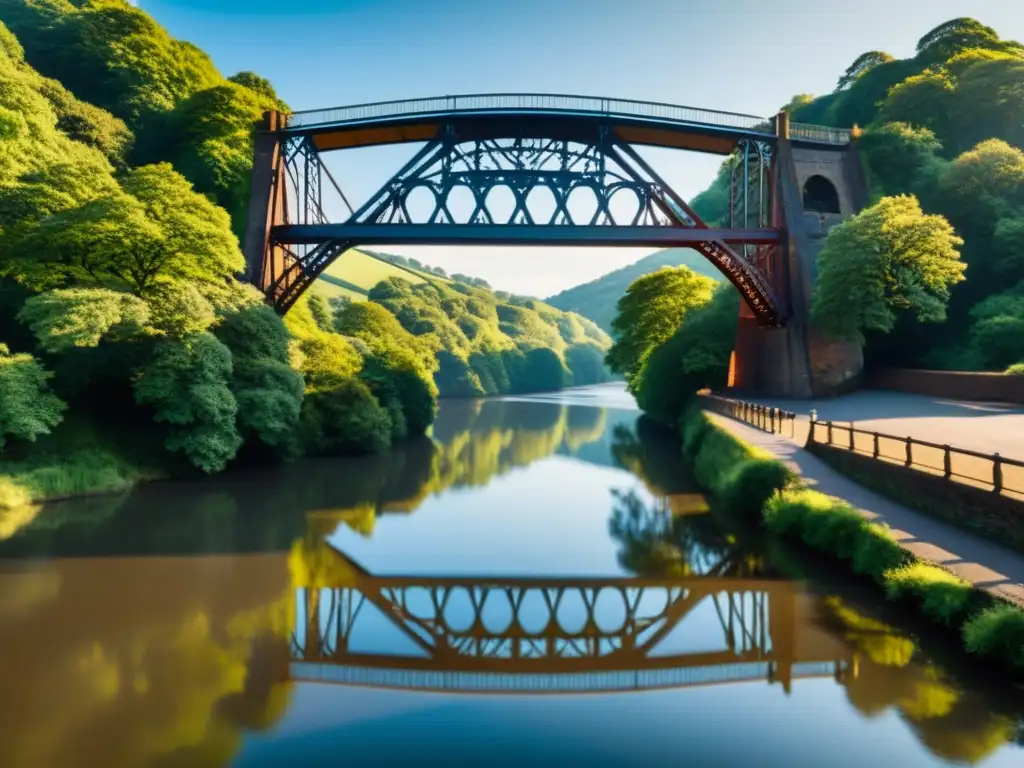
[(514, 634), (490, 179)]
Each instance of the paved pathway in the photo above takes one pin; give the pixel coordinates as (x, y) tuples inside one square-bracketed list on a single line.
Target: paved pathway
[(984, 564), (984, 427)]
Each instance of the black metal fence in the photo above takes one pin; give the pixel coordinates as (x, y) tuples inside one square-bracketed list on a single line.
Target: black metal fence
[(982, 470), (774, 420)]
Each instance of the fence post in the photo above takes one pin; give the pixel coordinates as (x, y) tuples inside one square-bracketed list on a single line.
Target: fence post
[(771, 415), (851, 436), (875, 452), (829, 433), (947, 462), (910, 455), (997, 473)]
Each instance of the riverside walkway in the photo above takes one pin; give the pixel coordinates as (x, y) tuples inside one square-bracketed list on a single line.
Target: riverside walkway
[(983, 563), (984, 427)]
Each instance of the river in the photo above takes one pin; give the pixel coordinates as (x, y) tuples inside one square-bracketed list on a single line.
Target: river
[(539, 584)]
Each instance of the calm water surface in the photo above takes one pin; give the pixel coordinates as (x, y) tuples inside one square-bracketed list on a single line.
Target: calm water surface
[(540, 584)]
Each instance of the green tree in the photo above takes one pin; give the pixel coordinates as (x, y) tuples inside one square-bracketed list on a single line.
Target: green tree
[(861, 66), (924, 101), (187, 384), (997, 328), (586, 362), (259, 85), (694, 357), (82, 317), (345, 420), (157, 229), (90, 125), (902, 158), (265, 386), (209, 138), (27, 406), (650, 312), (891, 256), (950, 38), (989, 101), (110, 54)]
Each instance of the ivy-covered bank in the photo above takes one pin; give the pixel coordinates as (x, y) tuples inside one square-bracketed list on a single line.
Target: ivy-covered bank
[(754, 483)]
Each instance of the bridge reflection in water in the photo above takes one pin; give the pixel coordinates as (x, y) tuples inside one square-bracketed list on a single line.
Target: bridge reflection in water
[(555, 635)]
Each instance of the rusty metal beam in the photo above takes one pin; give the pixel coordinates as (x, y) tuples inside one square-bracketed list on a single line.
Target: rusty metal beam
[(518, 234)]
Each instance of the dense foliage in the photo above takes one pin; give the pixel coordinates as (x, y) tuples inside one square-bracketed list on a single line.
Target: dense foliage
[(162, 98), (650, 313), (944, 125), (485, 345), (897, 257), (123, 328)]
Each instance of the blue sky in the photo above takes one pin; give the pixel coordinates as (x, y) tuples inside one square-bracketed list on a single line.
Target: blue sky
[(737, 55)]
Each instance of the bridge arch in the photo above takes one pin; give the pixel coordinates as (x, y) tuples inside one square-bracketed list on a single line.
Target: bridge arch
[(820, 195)]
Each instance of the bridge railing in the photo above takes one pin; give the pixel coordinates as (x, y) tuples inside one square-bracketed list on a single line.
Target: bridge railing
[(774, 420), (988, 471), (500, 102), (822, 134), (570, 682)]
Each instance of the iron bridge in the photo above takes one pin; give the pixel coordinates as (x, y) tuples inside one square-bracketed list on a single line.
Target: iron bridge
[(566, 167)]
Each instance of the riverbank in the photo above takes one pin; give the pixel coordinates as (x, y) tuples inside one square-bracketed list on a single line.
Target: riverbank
[(750, 477), (78, 459), (82, 458)]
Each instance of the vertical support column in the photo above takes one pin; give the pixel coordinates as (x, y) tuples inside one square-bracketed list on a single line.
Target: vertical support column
[(265, 262), (782, 621)]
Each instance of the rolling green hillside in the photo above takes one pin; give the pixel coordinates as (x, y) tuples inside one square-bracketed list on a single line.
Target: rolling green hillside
[(356, 272), (596, 299)]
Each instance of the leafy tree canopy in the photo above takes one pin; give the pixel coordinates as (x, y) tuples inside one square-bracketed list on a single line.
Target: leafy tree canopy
[(650, 312), (156, 229), (28, 408), (861, 65), (260, 86), (897, 257)]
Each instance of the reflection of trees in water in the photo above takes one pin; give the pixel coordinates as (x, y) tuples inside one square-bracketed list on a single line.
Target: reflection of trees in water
[(655, 542), (660, 538), (266, 509), (652, 453), (952, 722), (142, 662)]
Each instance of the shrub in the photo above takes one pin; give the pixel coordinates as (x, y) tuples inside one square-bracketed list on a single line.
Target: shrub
[(695, 425), (877, 552), (1017, 369), (833, 526), (719, 453), (751, 484), (943, 597), (997, 633), (345, 420)]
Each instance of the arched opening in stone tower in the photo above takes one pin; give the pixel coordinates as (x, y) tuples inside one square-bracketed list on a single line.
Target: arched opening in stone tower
[(820, 195)]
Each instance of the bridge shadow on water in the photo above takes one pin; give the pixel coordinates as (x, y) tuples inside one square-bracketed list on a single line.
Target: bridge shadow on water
[(167, 625)]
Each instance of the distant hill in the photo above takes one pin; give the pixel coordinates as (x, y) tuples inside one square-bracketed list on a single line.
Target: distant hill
[(355, 272), (597, 299)]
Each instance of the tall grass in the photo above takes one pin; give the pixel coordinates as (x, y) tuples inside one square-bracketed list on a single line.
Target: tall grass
[(78, 458)]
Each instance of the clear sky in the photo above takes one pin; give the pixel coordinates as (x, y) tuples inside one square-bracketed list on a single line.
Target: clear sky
[(746, 56)]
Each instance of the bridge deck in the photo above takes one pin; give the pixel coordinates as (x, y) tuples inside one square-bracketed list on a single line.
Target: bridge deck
[(527, 683), (638, 122)]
